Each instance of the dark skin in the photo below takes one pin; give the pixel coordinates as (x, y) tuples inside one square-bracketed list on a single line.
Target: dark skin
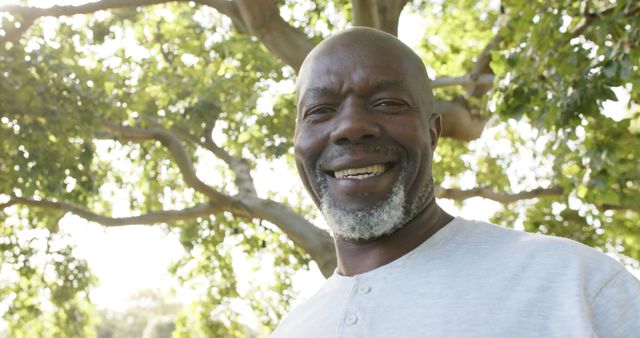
[(357, 91)]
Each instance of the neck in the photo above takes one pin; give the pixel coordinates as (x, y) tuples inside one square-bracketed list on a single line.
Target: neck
[(359, 257)]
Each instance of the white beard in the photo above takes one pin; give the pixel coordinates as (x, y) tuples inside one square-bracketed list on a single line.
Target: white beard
[(383, 218)]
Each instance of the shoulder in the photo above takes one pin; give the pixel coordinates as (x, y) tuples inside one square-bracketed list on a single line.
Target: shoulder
[(537, 254), (556, 273), (530, 244)]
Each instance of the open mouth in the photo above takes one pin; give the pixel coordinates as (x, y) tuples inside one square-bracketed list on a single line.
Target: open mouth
[(361, 173)]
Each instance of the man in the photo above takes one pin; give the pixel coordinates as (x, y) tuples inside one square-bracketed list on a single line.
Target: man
[(365, 136)]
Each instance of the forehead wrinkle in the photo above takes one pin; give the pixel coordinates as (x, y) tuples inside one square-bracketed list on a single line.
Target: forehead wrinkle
[(388, 84), (401, 69), (305, 88), (316, 92), (371, 85)]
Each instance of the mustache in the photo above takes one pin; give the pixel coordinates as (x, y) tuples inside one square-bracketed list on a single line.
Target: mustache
[(334, 153)]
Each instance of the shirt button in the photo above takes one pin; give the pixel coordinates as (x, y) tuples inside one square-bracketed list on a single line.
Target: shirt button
[(364, 289), (351, 319)]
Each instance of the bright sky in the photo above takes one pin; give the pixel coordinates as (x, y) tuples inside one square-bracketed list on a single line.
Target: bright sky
[(128, 259)]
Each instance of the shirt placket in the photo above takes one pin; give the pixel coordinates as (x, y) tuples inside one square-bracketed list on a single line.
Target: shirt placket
[(355, 315)]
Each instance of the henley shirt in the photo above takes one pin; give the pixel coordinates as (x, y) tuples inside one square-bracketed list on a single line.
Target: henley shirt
[(474, 279)]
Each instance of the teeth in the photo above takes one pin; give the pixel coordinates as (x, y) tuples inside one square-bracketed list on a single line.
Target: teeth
[(361, 173)]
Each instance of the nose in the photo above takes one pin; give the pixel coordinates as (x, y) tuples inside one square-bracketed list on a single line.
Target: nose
[(354, 125)]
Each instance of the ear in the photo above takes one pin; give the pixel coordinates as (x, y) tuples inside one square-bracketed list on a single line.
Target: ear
[(435, 130)]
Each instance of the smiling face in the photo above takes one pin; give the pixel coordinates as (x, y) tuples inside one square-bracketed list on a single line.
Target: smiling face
[(365, 133)]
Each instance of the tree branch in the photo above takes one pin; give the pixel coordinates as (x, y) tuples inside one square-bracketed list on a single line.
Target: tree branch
[(7, 204), (30, 14), (607, 206), (175, 147), (380, 14), (164, 216), (316, 242), (482, 67), (263, 20), (458, 122), (230, 9), (14, 34), (260, 18), (313, 240), (210, 145), (389, 15), (590, 18), (482, 79), (238, 165), (364, 13), (92, 7), (504, 198)]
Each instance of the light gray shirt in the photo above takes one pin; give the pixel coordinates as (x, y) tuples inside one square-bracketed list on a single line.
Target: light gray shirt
[(474, 279)]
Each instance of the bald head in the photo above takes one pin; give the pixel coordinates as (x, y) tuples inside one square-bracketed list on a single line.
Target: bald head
[(361, 44), (365, 134)]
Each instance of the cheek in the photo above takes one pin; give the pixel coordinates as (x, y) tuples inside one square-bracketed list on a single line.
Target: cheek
[(415, 140), (304, 177), (303, 148), (421, 174), (309, 142), (308, 146), (307, 149), (417, 143)]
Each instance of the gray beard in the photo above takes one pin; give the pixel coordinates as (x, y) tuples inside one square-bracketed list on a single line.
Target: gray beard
[(384, 218)]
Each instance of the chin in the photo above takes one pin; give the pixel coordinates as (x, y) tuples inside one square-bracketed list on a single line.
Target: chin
[(367, 223), (368, 238)]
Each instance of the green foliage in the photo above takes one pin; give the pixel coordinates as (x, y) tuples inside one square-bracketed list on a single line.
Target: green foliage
[(558, 80), (216, 249), (48, 287), (320, 18), (448, 159), (150, 314), (280, 123), (449, 48)]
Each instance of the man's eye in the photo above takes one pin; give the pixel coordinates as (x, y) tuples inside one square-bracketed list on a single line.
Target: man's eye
[(387, 104), (321, 110)]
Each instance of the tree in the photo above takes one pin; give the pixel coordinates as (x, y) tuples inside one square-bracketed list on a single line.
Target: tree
[(149, 314), (137, 95)]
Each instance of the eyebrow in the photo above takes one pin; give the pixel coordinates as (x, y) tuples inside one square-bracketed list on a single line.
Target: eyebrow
[(318, 92), (375, 87), (389, 84)]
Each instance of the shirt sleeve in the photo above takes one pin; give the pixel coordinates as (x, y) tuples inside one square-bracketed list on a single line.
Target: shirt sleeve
[(615, 308)]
